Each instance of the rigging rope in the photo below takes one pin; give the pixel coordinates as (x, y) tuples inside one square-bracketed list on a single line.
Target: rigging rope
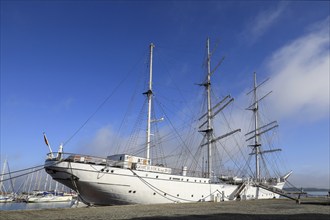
[(101, 105), (33, 171), (17, 171), (177, 133)]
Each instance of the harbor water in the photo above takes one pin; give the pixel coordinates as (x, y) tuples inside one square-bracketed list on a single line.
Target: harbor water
[(317, 193), (30, 206)]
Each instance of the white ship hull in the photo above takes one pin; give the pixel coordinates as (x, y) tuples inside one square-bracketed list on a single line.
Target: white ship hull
[(100, 185)]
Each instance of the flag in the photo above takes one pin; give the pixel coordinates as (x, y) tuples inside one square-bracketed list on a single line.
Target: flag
[(46, 141)]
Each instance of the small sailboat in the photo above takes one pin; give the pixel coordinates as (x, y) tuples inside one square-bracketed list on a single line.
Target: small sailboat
[(6, 196), (40, 196), (133, 179), (45, 196)]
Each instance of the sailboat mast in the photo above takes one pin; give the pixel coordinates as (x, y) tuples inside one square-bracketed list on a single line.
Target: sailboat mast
[(2, 175), (209, 113), (149, 94), (256, 135)]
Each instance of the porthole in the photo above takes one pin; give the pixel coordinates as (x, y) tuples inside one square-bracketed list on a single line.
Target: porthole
[(134, 191), (154, 194), (177, 195), (156, 176), (192, 195), (111, 171), (164, 194), (130, 191)]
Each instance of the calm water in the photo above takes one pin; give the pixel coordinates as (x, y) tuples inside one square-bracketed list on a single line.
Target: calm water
[(25, 206), (317, 193)]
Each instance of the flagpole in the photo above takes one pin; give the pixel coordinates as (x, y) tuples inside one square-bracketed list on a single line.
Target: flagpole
[(47, 143)]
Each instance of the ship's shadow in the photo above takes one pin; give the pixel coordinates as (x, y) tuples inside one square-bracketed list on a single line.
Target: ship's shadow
[(230, 216)]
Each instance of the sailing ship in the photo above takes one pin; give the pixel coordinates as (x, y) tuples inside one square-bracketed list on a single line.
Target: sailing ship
[(131, 179)]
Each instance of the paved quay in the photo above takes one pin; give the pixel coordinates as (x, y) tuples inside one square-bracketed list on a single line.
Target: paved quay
[(242, 210)]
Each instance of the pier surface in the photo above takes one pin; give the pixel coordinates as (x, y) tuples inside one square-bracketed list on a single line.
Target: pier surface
[(254, 209)]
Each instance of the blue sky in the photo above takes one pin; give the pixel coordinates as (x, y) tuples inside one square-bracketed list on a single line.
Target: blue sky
[(61, 59)]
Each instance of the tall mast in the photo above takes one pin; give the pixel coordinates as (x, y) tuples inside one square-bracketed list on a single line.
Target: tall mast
[(209, 113), (212, 111), (258, 130), (256, 126), (149, 95)]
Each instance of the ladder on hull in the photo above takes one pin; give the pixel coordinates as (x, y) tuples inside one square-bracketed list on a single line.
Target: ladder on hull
[(240, 188), (278, 191)]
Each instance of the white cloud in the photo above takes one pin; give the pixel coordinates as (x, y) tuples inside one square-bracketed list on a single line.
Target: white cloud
[(101, 144), (262, 22), (107, 141), (299, 78), (300, 75), (64, 104)]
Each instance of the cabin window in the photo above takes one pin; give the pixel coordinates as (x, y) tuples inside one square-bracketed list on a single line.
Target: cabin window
[(177, 195), (130, 191), (111, 171), (156, 176), (187, 180), (120, 158), (164, 194), (134, 191), (192, 195), (154, 194)]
